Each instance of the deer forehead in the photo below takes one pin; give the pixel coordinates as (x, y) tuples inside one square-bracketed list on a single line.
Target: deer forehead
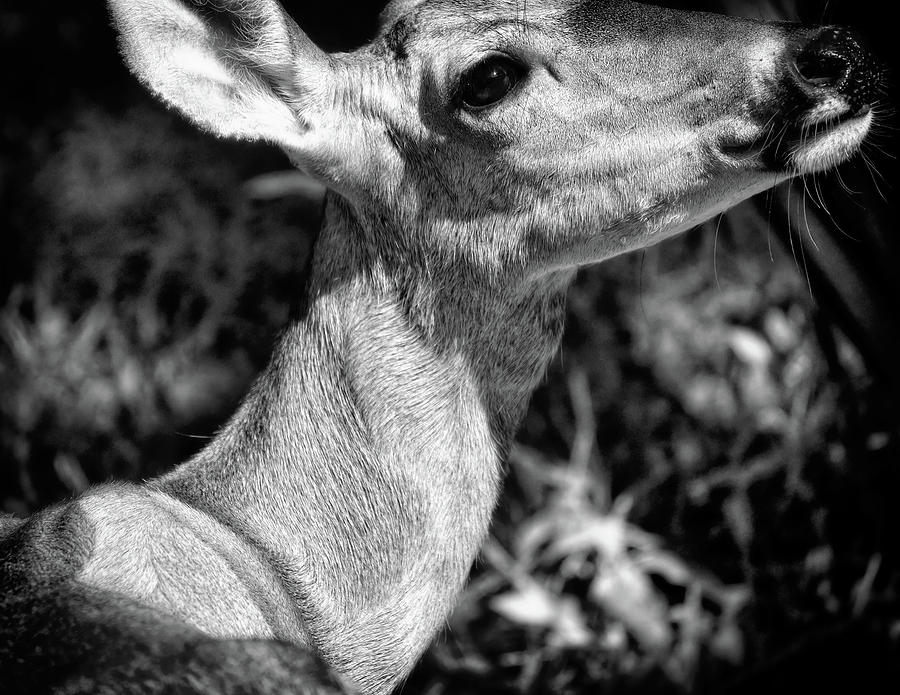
[(441, 28), (425, 46)]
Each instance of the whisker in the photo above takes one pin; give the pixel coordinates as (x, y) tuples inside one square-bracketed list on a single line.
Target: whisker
[(790, 226), (831, 217), (805, 266), (847, 189), (715, 250), (771, 201), (806, 214), (873, 171)]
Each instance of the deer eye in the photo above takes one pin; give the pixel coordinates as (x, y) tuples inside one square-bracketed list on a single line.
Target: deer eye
[(489, 81)]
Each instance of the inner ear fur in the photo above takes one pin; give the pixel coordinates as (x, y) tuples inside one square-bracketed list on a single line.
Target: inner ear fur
[(237, 68)]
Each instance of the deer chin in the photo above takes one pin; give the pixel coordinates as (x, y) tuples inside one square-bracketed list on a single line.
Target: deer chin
[(829, 143)]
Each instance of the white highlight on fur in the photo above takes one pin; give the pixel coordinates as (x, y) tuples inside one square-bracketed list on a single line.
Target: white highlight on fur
[(762, 59), (198, 63), (837, 144), (828, 108)]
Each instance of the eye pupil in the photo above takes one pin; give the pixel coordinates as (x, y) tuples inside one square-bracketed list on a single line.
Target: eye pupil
[(488, 82)]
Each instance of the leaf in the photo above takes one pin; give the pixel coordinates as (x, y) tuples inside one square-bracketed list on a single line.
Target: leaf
[(569, 629), (750, 348), (528, 605), (727, 643), (534, 606), (739, 516), (605, 534), (625, 592), (668, 565)]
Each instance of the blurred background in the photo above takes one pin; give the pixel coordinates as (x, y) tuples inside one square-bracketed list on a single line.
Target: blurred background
[(704, 495)]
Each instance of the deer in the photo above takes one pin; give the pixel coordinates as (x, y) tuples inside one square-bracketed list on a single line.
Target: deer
[(475, 155)]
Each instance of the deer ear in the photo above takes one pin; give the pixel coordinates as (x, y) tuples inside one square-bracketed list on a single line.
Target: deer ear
[(238, 68)]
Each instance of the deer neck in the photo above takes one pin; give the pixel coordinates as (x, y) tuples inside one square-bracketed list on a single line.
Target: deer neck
[(365, 463)]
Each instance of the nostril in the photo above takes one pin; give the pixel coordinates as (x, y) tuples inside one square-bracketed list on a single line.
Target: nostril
[(821, 68), (833, 59), (825, 60)]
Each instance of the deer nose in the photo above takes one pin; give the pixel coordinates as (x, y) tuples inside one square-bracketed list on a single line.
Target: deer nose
[(832, 60)]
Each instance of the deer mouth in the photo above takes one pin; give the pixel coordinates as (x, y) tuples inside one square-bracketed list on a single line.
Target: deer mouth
[(817, 142), (828, 142), (820, 109)]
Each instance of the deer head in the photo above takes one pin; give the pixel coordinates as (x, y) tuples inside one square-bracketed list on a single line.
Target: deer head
[(518, 139)]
